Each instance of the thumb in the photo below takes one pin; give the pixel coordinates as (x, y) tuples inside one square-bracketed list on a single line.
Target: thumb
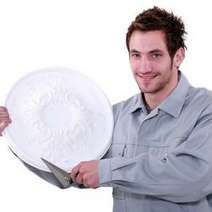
[(2, 126)]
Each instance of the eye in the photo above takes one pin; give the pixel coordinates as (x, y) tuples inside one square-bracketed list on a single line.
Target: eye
[(135, 55), (156, 55)]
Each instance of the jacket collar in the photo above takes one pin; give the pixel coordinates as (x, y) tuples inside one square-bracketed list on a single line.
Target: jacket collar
[(172, 104)]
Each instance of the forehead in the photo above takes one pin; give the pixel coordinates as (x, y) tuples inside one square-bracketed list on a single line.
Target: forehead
[(147, 41)]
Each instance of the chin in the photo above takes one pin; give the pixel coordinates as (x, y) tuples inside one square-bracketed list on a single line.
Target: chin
[(148, 90)]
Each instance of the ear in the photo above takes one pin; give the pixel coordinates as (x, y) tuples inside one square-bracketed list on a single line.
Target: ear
[(178, 57)]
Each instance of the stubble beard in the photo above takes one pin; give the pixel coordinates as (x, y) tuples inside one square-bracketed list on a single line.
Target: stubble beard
[(160, 85)]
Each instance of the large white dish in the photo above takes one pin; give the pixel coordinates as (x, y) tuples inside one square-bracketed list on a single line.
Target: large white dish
[(60, 115)]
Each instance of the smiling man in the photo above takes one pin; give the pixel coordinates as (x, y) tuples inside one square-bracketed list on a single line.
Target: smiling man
[(160, 159)]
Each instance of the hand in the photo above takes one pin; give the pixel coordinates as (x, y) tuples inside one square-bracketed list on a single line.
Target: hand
[(4, 119), (86, 173)]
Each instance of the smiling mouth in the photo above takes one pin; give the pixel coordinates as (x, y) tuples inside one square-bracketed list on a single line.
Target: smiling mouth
[(146, 77)]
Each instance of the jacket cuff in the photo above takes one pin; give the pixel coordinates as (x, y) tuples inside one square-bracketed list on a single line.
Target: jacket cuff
[(105, 172)]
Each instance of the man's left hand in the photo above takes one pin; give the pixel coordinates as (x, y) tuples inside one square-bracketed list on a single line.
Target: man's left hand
[(86, 173)]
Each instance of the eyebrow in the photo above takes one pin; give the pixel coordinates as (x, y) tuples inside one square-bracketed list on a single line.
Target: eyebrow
[(150, 52), (155, 51), (134, 51)]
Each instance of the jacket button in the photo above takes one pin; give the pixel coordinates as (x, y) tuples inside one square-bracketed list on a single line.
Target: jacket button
[(164, 159)]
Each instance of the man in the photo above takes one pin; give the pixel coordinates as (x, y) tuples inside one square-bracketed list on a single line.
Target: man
[(160, 158)]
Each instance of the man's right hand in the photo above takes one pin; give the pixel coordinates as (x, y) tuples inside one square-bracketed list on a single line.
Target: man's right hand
[(4, 119)]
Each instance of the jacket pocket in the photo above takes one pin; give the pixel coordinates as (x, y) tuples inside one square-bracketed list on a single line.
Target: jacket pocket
[(152, 147), (118, 149)]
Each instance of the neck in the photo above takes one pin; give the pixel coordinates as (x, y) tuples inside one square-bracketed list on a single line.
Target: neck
[(152, 100)]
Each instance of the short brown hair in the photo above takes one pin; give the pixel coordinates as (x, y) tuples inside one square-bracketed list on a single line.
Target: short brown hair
[(159, 19)]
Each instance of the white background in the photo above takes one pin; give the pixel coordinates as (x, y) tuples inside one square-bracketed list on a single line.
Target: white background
[(88, 36)]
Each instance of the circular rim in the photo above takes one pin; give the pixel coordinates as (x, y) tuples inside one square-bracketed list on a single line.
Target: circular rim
[(13, 145)]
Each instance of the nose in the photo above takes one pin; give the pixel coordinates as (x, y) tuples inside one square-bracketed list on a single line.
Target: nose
[(144, 66)]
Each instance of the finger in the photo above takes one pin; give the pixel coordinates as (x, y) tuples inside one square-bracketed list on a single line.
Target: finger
[(79, 179), (86, 185), (7, 119), (3, 114), (74, 172), (3, 125), (3, 109), (6, 124), (85, 180), (4, 119)]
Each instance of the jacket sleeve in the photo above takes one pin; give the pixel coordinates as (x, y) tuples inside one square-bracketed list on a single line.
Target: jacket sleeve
[(183, 175), (116, 110), (47, 176)]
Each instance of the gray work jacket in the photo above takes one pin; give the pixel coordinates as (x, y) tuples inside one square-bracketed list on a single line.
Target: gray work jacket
[(162, 161)]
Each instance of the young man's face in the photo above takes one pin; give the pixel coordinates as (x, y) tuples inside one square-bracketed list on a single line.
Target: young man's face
[(150, 61)]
